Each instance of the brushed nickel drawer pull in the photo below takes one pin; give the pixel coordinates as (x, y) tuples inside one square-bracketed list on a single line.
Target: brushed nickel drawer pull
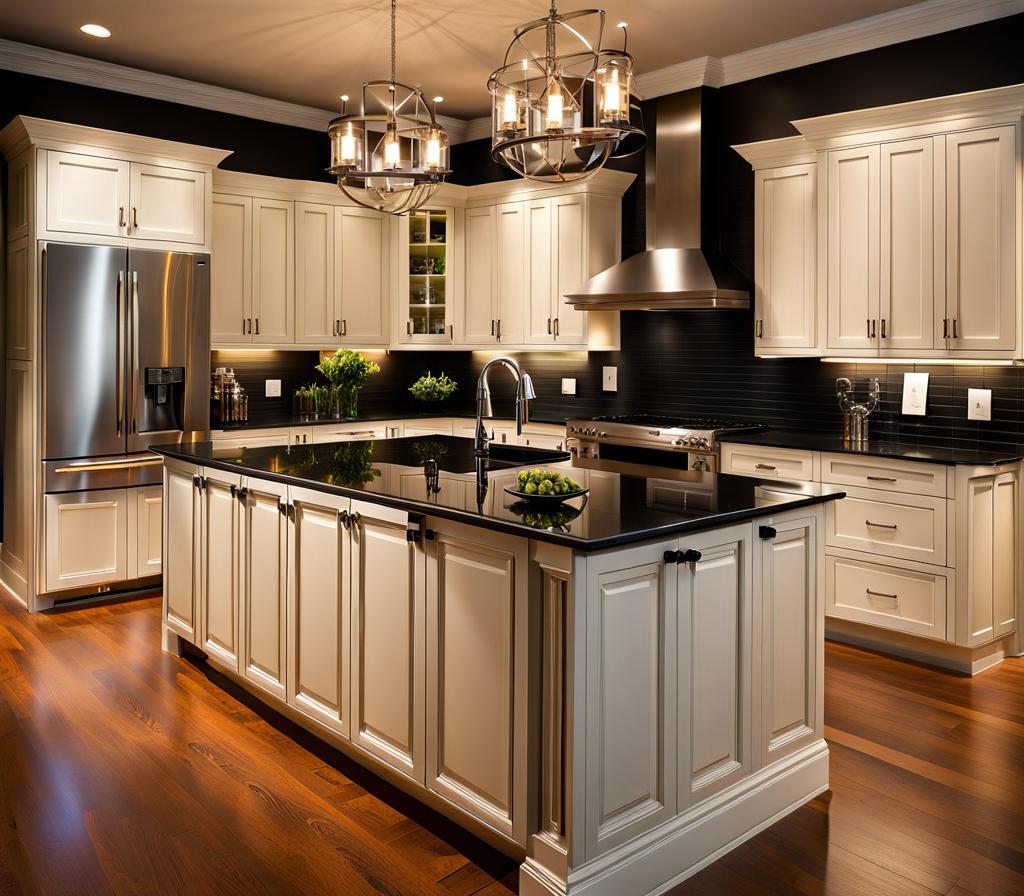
[(764, 467), (881, 479), (871, 593), (892, 526)]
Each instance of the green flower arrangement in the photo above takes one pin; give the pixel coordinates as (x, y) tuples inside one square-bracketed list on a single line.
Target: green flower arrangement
[(434, 388), (347, 371)]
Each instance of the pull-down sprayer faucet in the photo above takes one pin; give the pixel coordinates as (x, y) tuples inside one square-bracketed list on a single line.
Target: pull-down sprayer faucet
[(524, 394)]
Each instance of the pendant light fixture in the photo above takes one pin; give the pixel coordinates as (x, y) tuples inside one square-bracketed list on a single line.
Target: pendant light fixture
[(562, 106), (393, 155)]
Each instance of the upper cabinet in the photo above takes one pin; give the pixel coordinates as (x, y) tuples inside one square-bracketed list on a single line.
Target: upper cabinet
[(426, 288), (911, 216)]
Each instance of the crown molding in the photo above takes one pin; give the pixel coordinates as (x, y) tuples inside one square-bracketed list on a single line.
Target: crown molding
[(901, 25), (776, 153)]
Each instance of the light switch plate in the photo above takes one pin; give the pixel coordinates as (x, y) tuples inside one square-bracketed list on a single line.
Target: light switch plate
[(610, 379), (568, 386), (273, 388), (979, 404), (915, 394)]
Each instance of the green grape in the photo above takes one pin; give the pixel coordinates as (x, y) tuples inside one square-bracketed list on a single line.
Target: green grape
[(531, 488)]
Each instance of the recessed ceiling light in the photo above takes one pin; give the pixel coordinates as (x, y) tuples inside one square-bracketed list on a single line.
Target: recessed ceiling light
[(95, 30)]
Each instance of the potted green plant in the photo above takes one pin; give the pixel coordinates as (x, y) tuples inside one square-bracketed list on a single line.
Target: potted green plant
[(435, 389), (347, 371)]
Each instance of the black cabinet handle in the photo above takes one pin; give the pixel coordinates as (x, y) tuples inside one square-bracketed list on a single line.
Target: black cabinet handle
[(689, 556), (766, 532)]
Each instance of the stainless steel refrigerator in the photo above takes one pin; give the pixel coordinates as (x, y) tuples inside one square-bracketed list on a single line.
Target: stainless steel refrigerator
[(126, 363)]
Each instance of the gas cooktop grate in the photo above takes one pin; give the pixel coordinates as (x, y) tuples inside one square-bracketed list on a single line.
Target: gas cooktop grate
[(662, 422)]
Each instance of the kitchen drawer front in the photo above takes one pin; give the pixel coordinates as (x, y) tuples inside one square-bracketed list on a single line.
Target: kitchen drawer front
[(767, 463), (901, 526), (882, 473), (904, 600)]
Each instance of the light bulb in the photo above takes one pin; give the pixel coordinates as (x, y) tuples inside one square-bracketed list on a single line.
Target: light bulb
[(554, 113), (612, 94), (392, 149), (433, 149), (510, 112), (348, 147)]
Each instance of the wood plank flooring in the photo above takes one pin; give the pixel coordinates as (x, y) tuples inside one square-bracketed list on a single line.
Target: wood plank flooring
[(127, 771)]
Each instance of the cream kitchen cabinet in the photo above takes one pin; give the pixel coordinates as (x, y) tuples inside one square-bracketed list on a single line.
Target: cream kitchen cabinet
[(167, 204), (429, 281), (479, 294), (217, 546), (316, 321), (148, 528), (86, 538), (477, 655), (181, 552), (785, 258), (558, 230), (349, 432), (497, 271), (231, 271)]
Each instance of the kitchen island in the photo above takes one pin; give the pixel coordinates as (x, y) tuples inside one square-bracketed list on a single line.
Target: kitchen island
[(615, 692)]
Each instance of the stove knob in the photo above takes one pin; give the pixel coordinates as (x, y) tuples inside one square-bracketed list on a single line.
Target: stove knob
[(691, 441), (679, 442), (703, 443), (602, 435)]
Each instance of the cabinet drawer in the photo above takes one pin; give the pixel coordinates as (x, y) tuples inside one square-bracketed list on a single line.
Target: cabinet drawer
[(765, 462), (910, 528), (903, 600), (882, 473), (86, 538)]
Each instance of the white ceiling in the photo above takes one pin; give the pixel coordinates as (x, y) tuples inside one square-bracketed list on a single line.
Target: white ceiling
[(310, 51)]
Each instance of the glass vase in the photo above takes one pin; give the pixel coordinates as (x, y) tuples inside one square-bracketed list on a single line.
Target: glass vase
[(348, 400)]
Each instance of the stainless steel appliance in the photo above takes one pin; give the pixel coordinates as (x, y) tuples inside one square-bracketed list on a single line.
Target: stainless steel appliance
[(126, 361), (651, 445)]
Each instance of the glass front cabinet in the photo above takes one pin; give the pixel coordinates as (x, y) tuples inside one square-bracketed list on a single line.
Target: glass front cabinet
[(427, 258)]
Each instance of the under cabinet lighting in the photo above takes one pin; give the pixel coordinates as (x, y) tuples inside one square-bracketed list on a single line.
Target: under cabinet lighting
[(95, 30), (906, 362)]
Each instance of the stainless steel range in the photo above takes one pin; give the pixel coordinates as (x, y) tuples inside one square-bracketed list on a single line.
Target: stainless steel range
[(649, 444)]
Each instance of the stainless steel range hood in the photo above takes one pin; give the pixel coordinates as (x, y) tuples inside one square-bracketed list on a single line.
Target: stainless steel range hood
[(677, 270)]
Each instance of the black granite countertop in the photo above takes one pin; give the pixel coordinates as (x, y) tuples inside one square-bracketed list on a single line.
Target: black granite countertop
[(619, 509), (831, 442), (286, 422)]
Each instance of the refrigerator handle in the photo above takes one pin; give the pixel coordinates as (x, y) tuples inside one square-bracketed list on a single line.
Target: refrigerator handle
[(133, 428), (120, 359)]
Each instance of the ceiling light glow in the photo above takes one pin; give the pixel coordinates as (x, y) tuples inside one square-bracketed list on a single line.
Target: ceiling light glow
[(95, 30)]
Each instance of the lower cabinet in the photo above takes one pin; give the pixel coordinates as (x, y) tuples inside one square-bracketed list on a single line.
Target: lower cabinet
[(477, 673), (217, 549), (181, 548), (86, 538), (148, 527)]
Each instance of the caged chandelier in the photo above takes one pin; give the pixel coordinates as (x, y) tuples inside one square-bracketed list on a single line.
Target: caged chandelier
[(393, 155), (561, 105)]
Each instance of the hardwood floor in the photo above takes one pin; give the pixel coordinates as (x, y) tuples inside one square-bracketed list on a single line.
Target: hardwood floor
[(124, 770)]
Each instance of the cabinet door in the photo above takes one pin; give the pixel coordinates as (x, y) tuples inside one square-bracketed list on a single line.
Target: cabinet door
[(714, 743), (361, 279), (388, 662), (219, 512), (477, 652), (512, 273), (264, 536), (273, 262), (148, 540), (539, 282), (86, 194), (789, 620), (86, 538), (318, 608), (908, 246), (987, 555), (181, 539), (231, 274), (568, 265), (167, 204), (853, 307), (479, 320), (630, 693), (785, 290), (982, 242), (315, 320)]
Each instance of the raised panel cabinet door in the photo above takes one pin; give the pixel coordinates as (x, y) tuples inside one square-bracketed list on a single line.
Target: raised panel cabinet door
[(181, 548), (319, 634), (630, 694), (569, 265), (982, 242), (273, 271), (513, 273), (263, 580), (852, 247), (361, 278), (539, 280), (388, 639), (479, 319), (219, 509), (315, 320), (909, 280), (86, 538), (790, 621), (477, 629), (715, 636), (785, 258), (148, 539), (20, 307), (86, 194), (231, 271), (167, 204), (18, 490)]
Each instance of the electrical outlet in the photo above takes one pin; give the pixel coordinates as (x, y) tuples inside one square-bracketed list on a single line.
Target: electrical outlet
[(273, 388), (568, 386), (610, 379), (915, 393), (979, 404)]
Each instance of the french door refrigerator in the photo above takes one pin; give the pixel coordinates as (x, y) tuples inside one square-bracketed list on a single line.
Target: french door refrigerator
[(126, 365)]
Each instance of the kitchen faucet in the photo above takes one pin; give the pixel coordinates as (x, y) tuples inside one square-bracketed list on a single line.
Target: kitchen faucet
[(524, 393)]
